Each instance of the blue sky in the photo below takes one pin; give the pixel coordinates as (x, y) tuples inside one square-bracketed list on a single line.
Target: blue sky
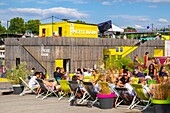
[(123, 13)]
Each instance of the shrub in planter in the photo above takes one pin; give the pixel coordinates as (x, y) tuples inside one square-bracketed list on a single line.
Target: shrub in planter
[(106, 98), (161, 96), (14, 74)]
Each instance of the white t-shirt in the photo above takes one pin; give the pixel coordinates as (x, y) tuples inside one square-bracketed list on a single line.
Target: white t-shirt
[(33, 82), (124, 37)]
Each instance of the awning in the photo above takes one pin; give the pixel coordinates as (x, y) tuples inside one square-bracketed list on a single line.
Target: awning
[(115, 29)]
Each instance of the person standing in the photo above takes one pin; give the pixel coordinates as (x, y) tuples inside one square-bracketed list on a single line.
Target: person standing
[(125, 37), (146, 58), (136, 61)]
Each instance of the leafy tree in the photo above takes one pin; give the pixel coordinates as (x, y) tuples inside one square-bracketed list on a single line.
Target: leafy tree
[(16, 25), (33, 25), (2, 29), (130, 29), (80, 21)]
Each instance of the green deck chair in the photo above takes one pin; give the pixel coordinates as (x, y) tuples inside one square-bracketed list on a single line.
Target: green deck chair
[(140, 97), (136, 80), (65, 88), (151, 82), (86, 78)]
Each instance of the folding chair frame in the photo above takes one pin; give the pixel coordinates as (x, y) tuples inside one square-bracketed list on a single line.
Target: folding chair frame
[(45, 90), (140, 99)]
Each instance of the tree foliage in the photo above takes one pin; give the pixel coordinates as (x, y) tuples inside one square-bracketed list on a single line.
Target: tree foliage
[(33, 25), (2, 29), (16, 25), (80, 21), (130, 29)]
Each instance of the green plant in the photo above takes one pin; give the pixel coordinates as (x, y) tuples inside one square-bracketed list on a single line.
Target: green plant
[(16, 72), (104, 88), (117, 64)]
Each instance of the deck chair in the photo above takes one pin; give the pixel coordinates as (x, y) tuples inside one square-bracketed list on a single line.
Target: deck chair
[(140, 97), (27, 86), (89, 96), (121, 99), (86, 78), (76, 93), (44, 89), (71, 75), (136, 80), (65, 88), (151, 82)]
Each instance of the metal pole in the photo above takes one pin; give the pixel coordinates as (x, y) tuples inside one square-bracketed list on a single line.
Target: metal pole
[(169, 31), (7, 29), (52, 26), (152, 30)]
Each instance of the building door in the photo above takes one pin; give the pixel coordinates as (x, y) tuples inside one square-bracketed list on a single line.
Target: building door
[(43, 32), (63, 63), (60, 31), (17, 62), (66, 65)]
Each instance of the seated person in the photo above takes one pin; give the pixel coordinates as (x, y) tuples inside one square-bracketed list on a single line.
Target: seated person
[(79, 76), (52, 84), (94, 76), (123, 80), (163, 72), (101, 78), (137, 73), (33, 84), (146, 89)]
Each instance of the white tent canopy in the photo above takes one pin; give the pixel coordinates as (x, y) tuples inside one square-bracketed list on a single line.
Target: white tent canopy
[(115, 29)]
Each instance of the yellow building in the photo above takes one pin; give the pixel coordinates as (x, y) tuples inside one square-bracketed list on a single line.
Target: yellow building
[(68, 29)]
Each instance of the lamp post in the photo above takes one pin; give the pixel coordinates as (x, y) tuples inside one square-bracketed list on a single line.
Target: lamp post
[(52, 26), (7, 28), (169, 31)]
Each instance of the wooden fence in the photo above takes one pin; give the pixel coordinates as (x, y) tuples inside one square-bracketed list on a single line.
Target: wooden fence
[(82, 52)]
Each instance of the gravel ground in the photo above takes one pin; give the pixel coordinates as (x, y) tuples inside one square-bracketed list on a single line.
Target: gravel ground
[(29, 104)]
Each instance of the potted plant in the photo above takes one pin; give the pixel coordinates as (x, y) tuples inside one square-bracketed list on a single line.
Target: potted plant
[(106, 98), (161, 96), (14, 74)]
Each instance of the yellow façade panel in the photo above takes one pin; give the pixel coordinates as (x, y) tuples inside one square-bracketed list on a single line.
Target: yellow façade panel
[(59, 63), (158, 52), (69, 29)]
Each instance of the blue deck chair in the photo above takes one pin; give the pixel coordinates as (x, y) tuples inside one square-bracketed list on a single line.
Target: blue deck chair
[(140, 97)]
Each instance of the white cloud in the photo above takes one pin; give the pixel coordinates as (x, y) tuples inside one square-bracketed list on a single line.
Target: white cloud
[(2, 3), (132, 18), (37, 13), (106, 3), (74, 1), (139, 27), (158, 1), (162, 20), (61, 11), (43, 2), (153, 1), (153, 6)]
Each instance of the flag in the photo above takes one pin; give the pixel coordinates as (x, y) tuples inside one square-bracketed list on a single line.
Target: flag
[(104, 26)]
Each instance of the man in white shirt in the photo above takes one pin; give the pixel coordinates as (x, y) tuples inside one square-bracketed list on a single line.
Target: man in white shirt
[(33, 84)]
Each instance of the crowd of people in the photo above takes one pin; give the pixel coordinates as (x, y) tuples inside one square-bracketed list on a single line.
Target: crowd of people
[(150, 69)]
